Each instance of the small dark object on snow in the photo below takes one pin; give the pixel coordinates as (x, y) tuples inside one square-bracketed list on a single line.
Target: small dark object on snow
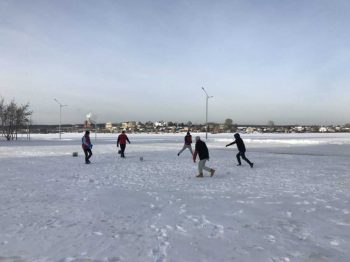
[(75, 154)]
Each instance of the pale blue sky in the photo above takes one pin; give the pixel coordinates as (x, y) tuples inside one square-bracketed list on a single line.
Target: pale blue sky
[(287, 61)]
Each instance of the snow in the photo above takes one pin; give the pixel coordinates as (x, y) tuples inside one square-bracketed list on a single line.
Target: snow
[(292, 206)]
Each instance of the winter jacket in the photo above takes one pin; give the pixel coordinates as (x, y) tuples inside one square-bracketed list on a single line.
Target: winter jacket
[(85, 142), (202, 150), (188, 140), (122, 138), (240, 144)]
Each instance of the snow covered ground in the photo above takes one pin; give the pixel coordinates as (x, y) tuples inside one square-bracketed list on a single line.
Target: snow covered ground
[(294, 205)]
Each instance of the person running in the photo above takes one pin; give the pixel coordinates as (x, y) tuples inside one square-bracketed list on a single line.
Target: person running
[(202, 150), (87, 146), (241, 150), (122, 138), (188, 144)]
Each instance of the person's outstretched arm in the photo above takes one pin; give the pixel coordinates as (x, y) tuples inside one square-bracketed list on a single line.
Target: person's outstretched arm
[(234, 142)]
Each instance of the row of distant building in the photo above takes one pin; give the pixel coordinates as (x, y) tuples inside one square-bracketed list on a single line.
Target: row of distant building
[(173, 127)]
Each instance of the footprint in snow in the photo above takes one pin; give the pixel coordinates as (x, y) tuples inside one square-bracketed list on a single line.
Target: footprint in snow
[(182, 209), (217, 231), (302, 203), (280, 259), (180, 229), (335, 242), (160, 252), (271, 238)]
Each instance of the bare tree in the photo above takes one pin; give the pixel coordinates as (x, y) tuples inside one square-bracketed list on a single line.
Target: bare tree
[(228, 124), (22, 117), (13, 118), (8, 118), (271, 126), (271, 123)]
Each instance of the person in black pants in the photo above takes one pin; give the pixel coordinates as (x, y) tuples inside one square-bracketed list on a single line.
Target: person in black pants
[(188, 142), (122, 138), (87, 146), (241, 150)]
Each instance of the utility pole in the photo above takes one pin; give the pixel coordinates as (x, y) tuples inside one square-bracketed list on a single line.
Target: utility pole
[(61, 105), (92, 121), (206, 112)]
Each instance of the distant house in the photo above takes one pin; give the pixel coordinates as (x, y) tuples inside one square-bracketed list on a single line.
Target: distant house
[(250, 130), (222, 128), (109, 126), (160, 124), (184, 129), (323, 129), (129, 125), (299, 129)]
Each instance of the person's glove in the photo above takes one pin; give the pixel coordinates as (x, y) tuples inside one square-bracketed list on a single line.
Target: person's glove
[(117, 145), (90, 146)]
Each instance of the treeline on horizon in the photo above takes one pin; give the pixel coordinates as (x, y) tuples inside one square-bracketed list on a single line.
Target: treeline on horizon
[(15, 119), (227, 127)]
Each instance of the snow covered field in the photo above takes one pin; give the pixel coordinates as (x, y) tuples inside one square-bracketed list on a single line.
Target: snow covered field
[(294, 205)]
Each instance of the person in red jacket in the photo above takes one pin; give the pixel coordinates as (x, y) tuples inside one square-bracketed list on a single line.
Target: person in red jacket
[(122, 138), (188, 142), (87, 146)]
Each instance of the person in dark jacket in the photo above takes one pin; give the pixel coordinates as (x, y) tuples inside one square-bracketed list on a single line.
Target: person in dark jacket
[(241, 150), (188, 142), (201, 150), (122, 138), (87, 146)]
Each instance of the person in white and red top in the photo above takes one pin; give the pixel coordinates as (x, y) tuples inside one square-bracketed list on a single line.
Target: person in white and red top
[(87, 146), (122, 138)]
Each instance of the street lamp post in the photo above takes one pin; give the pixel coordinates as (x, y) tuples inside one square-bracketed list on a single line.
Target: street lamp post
[(29, 123), (92, 121), (206, 112), (61, 105)]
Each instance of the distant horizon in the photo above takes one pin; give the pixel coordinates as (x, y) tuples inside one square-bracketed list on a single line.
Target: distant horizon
[(193, 123), (65, 112)]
